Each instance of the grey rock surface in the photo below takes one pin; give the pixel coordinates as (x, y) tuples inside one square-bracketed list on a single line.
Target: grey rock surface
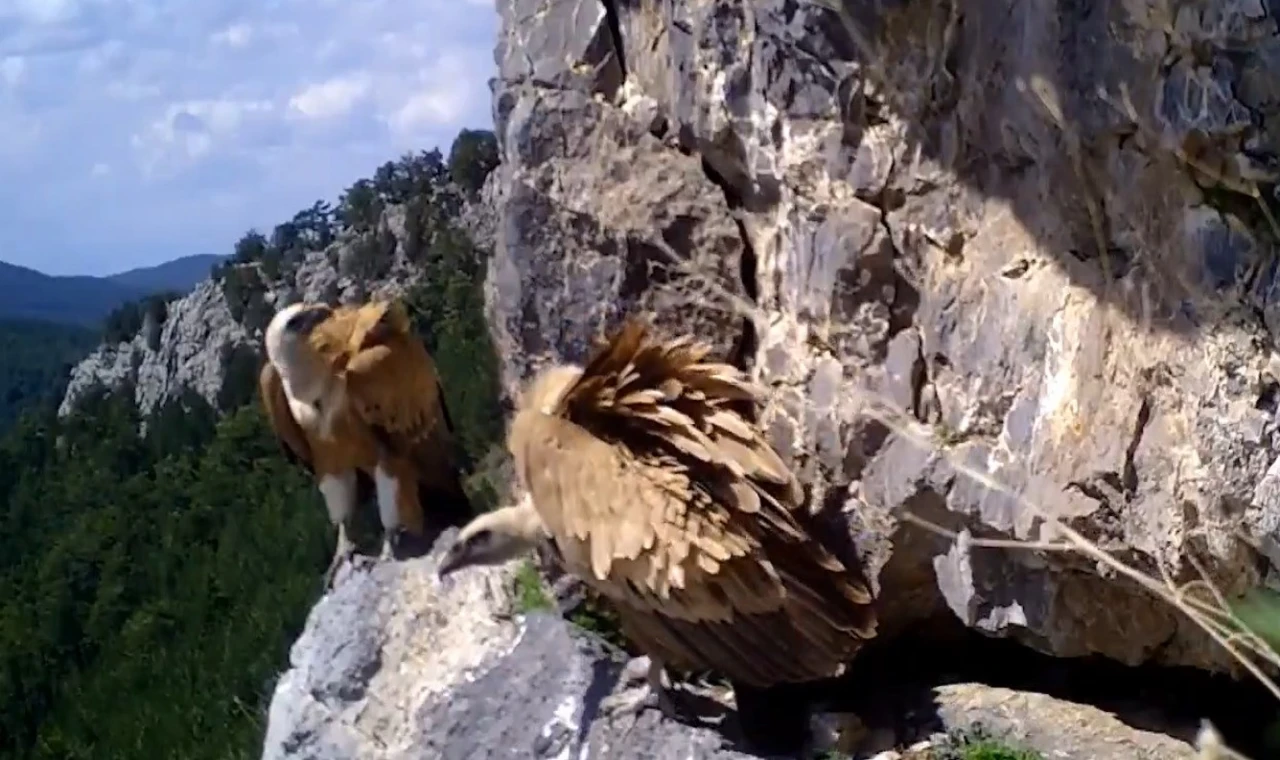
[(394, 664), (1053, 727), (1032, 237)]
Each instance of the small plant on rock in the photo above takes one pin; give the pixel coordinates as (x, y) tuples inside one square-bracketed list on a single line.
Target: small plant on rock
[(978, 743)]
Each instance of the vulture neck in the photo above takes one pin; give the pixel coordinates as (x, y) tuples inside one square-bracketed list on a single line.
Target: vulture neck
[(523, 523), (304, 377), (314, 394)]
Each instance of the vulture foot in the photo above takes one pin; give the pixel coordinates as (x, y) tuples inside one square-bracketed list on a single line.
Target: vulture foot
[(342, 553), (388, 552), (653, 694)]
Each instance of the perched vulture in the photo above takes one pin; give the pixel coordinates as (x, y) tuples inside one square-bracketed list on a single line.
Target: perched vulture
[(659, 494), (353, 397)]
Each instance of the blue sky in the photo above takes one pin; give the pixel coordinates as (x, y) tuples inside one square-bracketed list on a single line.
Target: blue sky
[(137, 131)]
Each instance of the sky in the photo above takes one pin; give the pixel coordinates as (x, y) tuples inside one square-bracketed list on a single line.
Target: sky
[(137, 131)]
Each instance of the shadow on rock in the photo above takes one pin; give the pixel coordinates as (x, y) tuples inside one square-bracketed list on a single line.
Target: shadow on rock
[(892, 687)]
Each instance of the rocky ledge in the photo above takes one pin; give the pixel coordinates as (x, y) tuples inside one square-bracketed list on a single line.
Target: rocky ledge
[(395, 665)]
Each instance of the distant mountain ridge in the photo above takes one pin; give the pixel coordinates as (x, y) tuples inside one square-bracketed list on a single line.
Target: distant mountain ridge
[(85, 300), (179, 274)]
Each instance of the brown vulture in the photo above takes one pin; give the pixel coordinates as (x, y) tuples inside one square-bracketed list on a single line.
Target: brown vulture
[(353, 396), (660, 494)]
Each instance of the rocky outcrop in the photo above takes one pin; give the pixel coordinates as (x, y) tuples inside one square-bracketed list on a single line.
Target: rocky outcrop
[(1036, 237), (200, 332), (396, 665), (187, 355)]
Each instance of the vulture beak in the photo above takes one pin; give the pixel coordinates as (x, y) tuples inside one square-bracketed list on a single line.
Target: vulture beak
[(455, 558), (307, 319)]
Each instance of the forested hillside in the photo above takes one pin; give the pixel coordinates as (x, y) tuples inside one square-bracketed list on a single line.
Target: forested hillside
[(150, 586), (35, 358)]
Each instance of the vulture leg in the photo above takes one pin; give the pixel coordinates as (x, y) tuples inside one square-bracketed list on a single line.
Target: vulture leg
[(388, 552), (652, 694), (342, 553), (339, 492), (387, 486)]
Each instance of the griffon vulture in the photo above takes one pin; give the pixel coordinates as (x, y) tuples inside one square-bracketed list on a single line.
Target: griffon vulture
[(659, 494), (353, 396)]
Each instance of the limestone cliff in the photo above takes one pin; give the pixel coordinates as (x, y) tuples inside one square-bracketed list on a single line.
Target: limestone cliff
[(1039, 236)]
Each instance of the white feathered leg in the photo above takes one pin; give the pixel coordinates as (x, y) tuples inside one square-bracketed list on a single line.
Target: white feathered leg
[(388, 491), (339, 492)]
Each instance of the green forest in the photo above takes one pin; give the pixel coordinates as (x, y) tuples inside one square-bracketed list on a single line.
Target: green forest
[(36, 364), (151, 585)]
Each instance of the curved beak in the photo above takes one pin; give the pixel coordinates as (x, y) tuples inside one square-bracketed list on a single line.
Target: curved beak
[(307, 319), (455, 557)]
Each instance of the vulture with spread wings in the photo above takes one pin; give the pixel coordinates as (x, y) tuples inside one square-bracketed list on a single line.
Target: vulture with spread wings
[(659, 494)]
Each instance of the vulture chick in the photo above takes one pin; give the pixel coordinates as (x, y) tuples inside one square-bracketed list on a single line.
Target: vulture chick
[(658, 493), (353, 396)]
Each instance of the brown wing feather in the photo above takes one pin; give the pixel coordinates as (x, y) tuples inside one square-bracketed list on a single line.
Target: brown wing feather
[(333, 338), (276, 404), (393, 387), (667, 501)]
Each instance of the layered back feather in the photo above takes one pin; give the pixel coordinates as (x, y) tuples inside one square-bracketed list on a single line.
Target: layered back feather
[(662, 496), (650, 394)]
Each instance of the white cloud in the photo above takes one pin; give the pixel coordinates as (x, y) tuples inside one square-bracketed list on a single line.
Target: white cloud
[(441, 95), (43, 11), (331, 98), (12, 68), (235, 36), (189, 130), (438, 105), (151, 113), (243, 35)]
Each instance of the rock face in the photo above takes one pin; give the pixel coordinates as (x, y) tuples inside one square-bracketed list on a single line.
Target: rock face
[(188, 354), (1038, 233), (395, 664)]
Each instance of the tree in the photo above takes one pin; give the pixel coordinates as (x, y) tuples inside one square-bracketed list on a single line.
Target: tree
[(316, 224), (359, 207), (286, 236), (249, 248), (473, 156)]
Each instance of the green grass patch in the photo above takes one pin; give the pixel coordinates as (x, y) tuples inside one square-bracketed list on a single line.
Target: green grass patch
[(529, 592), (596, 616), (977, 743)]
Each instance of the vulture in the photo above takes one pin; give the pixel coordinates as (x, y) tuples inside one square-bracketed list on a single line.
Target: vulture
[(353, 396), (655, 489)]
